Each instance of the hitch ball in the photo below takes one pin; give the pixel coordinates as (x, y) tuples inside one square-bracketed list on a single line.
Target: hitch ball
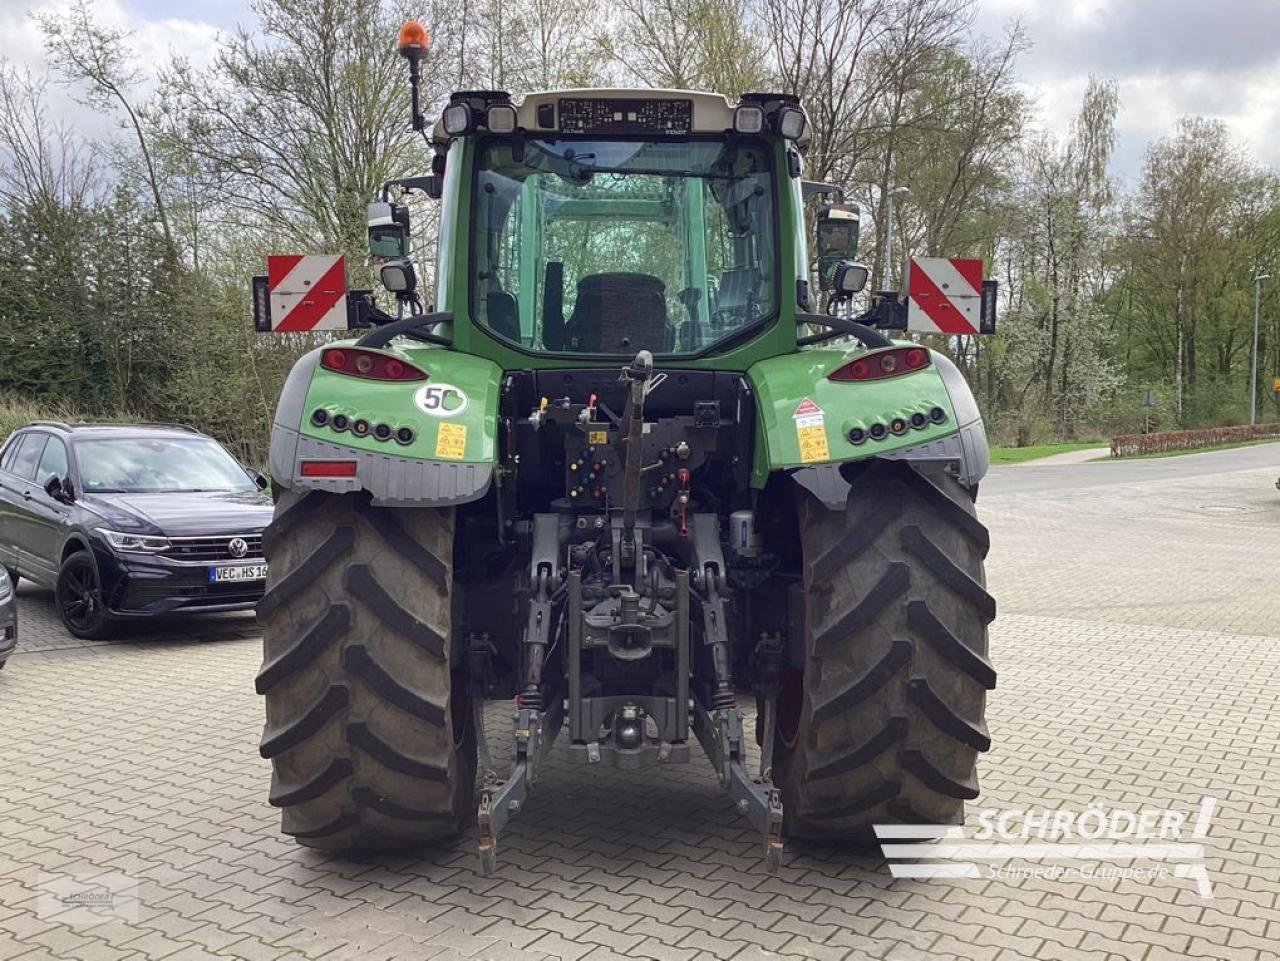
[(628, 731)]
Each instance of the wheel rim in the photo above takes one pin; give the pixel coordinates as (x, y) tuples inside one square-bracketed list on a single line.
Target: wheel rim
[(79, 597)]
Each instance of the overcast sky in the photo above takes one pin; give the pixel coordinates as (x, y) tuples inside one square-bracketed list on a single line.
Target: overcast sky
[(1215, 58)]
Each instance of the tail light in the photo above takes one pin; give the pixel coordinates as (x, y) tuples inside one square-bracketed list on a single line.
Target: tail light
[(328, 468), (879, 364), (369, 364)]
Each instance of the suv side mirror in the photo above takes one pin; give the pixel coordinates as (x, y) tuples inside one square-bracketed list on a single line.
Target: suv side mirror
[(259, 478), (59, 490)]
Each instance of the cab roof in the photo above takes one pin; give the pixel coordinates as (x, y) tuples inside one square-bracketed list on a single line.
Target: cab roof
[(712, 113)]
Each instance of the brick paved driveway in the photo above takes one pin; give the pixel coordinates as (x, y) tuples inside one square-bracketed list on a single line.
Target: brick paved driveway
[(1139, 655)]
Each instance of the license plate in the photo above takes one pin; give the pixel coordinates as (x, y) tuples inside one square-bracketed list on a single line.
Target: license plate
[(245, 572)]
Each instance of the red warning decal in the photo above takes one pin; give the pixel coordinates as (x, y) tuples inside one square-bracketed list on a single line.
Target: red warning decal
[(807, 408)]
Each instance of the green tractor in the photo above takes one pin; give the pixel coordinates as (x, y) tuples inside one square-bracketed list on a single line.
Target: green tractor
[(621, 473)]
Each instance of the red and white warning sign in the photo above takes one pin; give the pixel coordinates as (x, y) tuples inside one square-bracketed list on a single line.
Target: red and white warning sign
[(307, 293), (945, 296), (808, 414)]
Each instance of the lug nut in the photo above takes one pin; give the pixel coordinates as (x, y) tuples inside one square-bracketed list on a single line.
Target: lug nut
[(937, 415), (878, 431), (404, 435), (382, 432), (319, 417), (919, 420), (340, 422), (857, 435)]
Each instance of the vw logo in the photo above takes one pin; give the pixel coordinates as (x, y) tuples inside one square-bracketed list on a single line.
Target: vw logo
[(238, 547)]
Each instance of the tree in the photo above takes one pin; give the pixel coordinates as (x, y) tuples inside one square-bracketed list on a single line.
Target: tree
[(99, 58), (1195, 234), (302, 120), (710, 45), (1055, 261)]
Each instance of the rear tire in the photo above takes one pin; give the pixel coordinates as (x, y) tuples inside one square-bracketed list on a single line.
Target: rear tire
[(887, 723), (368, 720)]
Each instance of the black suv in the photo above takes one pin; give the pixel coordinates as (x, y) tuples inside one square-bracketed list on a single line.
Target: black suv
[(131, 521)]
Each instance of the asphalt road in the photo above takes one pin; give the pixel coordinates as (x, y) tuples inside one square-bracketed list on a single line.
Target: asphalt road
[(1021, 478)]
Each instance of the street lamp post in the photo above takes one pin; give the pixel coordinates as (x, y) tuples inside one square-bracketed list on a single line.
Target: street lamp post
[(1258, 278), (888, 232)]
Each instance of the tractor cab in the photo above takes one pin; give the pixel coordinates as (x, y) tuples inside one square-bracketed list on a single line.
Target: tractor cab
[(612, 221), (588, 224)]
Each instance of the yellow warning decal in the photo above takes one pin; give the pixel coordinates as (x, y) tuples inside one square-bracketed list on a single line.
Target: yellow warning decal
[(813, 443), (597, 437), (451, 442)]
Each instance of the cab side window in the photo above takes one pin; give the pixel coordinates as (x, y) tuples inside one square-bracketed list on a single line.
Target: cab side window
[(53, 463)]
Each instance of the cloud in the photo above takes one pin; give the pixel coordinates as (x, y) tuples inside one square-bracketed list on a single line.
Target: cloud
[(154, 41), (1170, 58)]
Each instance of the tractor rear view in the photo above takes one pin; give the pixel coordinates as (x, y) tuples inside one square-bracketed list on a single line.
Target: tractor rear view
[(622, 474)]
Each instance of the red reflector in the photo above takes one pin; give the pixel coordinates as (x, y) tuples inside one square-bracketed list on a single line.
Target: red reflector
[(369, 364), (877, 365), (328, 468)]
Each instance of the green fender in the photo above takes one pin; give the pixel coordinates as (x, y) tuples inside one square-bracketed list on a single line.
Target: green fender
[(805, 420), (453, 416)]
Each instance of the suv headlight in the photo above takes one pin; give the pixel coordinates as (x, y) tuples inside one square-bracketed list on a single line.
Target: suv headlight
[(6, 585), (135, 543)]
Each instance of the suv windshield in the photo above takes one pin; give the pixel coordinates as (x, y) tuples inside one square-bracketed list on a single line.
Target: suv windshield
[(158, 465), (612, 246)]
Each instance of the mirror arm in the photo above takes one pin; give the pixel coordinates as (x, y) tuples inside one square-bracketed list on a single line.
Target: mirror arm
[(867, 336), (409, 326)]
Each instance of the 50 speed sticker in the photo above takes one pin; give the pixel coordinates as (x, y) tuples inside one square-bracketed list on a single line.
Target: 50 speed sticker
[(441, 400), (811, 432)]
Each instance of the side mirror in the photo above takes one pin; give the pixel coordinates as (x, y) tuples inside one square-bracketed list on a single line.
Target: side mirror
[(58, 490), (849, 278), (388, 225), (837, 235), (399, 277)]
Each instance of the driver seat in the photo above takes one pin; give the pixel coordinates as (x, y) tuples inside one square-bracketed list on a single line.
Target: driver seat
[(619, 313)]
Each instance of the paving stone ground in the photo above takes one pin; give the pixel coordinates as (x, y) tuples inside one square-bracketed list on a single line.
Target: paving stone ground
[(1139, 654)]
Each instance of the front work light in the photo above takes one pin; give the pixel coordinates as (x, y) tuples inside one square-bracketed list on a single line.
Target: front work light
[(398, 276), (748, 118), (500, 118), (790, 121), (456, 119)]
